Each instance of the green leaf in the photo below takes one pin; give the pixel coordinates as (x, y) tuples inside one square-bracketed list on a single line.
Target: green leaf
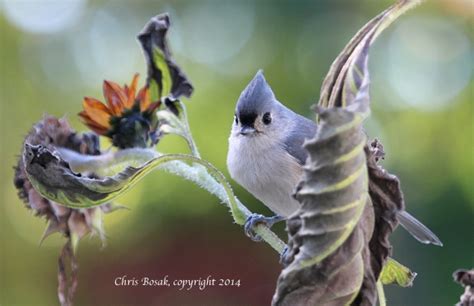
[(165, 78), (395, 272)]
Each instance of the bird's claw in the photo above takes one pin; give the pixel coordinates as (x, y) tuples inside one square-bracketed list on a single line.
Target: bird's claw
[(254, 219), (284, 260)]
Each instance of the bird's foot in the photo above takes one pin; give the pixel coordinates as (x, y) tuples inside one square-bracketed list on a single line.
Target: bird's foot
[(254, 219), (284, 260)]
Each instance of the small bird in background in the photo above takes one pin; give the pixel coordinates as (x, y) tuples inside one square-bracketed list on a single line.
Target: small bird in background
[(266, 156)]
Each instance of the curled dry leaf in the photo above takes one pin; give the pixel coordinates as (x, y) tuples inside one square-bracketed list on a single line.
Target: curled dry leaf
[(165, 78), (338, 239), (328, 235), (387, 199)]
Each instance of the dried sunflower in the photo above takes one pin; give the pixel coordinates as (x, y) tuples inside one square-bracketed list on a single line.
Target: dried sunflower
[(127, 118), (52, 132)]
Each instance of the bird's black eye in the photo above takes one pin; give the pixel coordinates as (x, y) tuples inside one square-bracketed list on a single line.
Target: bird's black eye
[(267, 118), (236, 119)]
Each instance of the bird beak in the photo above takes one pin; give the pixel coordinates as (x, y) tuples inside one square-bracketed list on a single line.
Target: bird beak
[(247, 130)]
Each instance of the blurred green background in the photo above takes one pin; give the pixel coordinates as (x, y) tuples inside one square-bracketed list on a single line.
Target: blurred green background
[(52, 53)]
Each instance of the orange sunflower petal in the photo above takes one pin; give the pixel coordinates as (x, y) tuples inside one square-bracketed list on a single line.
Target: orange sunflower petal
[(97, 111), (144, 98), (115, 96), (97, 130), (130, 91), (91, 124), (86, 119)]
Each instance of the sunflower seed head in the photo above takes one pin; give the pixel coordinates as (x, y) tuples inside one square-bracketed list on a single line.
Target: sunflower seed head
[(52, 132)]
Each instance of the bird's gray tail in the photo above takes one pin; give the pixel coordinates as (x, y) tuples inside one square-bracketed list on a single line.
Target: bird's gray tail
[(417, 229)]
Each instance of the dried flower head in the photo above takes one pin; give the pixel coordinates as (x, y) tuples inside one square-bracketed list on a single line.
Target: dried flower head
[(52, 132), (127, 118)]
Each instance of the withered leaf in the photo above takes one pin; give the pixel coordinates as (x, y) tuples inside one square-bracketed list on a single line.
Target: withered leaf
[(326, 238), (330, 258), (165, 78)]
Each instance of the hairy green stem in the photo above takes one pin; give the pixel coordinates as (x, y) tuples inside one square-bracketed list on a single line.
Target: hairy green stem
[(178, 125), (187, 131)]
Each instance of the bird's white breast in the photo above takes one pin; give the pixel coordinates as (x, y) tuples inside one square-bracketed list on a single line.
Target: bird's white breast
[(265, 169)]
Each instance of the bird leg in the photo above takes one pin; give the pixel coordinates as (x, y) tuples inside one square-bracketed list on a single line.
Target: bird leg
[(254, 219)]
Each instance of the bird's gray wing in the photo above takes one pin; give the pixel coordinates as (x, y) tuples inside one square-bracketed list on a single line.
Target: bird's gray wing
[(304, 129), (417, 229)]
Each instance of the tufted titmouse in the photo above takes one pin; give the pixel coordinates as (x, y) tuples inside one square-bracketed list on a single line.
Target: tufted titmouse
[(266, 156)]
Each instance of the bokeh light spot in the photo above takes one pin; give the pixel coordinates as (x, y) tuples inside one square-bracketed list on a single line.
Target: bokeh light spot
[(428, 62), (37, 16), (213, 32)]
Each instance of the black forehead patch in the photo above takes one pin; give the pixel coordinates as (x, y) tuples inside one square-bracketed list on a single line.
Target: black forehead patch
[(247, 119)]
